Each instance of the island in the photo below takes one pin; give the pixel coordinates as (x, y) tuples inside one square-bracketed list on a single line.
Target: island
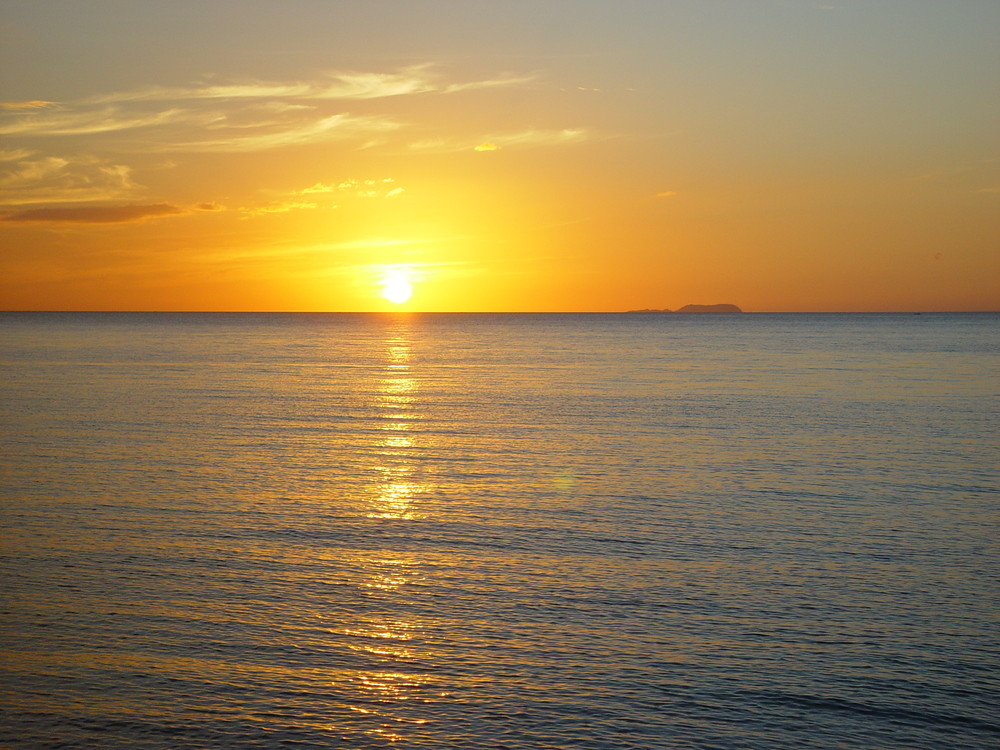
[(724, 308)]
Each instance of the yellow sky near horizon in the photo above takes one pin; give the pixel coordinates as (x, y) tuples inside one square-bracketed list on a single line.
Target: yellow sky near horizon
[(560, 156)]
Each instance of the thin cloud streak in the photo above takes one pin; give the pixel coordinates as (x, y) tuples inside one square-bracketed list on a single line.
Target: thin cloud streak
[(84, 123), (349, 85), (338, 126), (96, 214), (360, 188), (541, 137), (242, 134), (16, 154), (525, 138), (276, 208), (32, 104)]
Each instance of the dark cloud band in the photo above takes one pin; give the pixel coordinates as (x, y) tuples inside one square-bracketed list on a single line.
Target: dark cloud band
[(96, 214)]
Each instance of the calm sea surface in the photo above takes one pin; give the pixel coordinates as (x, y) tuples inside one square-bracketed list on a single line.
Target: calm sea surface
[(499, 531)]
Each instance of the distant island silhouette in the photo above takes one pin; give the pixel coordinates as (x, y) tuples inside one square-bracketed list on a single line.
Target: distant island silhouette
[(724, 308)]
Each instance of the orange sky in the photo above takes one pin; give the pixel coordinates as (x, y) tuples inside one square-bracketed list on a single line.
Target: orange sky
[(500, 156)]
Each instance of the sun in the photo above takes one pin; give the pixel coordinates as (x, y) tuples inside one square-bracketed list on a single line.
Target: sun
[(396, 288)]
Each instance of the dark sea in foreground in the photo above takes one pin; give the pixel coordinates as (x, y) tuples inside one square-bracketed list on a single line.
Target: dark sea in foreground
[(499, 531)]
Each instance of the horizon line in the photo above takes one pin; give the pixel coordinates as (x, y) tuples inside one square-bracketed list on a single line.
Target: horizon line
[(645, 313)]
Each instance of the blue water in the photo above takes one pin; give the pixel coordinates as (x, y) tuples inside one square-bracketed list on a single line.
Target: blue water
[(499, 531)]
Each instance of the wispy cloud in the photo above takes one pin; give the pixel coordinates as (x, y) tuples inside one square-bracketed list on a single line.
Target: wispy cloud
[(351, 186), (415, 80), (127, 127), (95, 214), (507, 80), (280, 109), (276, 207), (319, 188), (32, 104), (541, 138), (333, 85), (322, 194), (176, 130), (337, 126), (257, 90), (495, 142), (35, 179), (247, 129), (86, 122), (15, 154)]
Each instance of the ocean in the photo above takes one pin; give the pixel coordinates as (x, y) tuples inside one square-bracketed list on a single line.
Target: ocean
[(499, 531)]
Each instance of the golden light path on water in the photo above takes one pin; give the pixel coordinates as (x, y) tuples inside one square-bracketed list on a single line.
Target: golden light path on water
[(397, 412), (388, 693)]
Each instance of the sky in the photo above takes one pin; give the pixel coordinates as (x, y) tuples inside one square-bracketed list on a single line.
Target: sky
[(523, 155)]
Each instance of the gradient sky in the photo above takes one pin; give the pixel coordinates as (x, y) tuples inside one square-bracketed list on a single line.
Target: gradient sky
[(519, 155)]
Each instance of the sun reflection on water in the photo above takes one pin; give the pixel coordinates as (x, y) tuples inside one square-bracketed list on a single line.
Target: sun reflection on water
[(396, 488), (385, 695), (392, 688)]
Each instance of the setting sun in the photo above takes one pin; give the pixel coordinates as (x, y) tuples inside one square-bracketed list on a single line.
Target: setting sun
[(397, 289)]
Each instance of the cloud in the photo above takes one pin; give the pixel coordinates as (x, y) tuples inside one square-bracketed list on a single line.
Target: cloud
[(320, 195), (210, 117), (204, 91), (352, 186), (33, 104), (271, 111), (249, 128), (337, 126), (16, 154), (333, 85), (509, 80), (86, 122), (96, 214), (55, 179), (542, 137), (524, 138), (667, 194), (378, 85), (278, 207), (318, 187), (209, 206)]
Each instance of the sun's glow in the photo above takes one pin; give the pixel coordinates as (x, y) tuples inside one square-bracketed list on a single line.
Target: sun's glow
[(396, 288)]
